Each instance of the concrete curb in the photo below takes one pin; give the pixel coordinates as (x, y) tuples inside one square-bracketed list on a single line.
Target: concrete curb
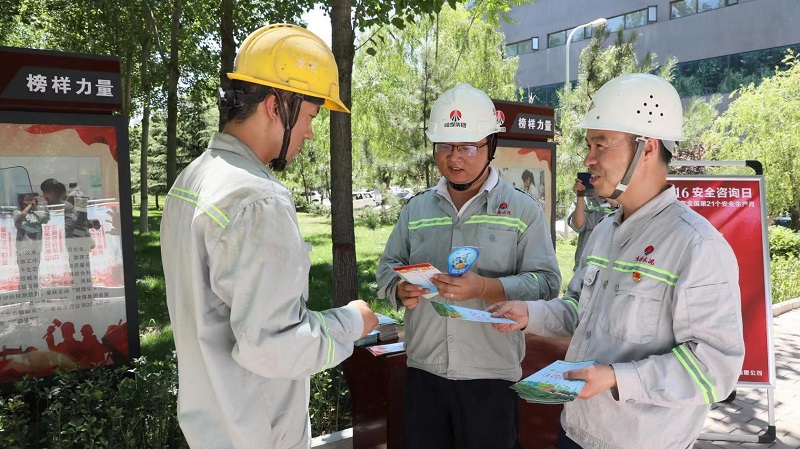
[(785, 306), (342, 439)]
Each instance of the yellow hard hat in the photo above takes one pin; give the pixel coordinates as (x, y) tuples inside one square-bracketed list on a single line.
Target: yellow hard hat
[(291, 58)]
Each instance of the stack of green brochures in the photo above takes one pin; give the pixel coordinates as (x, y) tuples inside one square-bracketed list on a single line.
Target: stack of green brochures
[(548, 386)]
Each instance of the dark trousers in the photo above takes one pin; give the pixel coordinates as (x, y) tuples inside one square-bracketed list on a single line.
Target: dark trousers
[(564, 442), (441, 413)]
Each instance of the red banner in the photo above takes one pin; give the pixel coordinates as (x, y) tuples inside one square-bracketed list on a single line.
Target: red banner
[(736, 207)]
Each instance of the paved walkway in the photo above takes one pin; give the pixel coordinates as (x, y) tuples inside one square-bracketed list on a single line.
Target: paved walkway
[(747, 414)]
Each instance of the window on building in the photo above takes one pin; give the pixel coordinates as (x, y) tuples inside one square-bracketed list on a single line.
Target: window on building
[(521, 47), (708, 5), (615, 23), (524, 47), (652, 14), (682, 8), (511, 50), (556, 39), (636, 19), (578, 36)]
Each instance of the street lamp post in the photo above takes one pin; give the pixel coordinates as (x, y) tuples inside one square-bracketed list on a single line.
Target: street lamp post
[(593, 23)]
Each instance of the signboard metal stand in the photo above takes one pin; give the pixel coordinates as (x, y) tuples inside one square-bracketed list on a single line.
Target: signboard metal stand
[(769, 434)]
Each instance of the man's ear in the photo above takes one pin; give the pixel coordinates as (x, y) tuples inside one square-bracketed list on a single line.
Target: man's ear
[(650, 150), (271, 105)]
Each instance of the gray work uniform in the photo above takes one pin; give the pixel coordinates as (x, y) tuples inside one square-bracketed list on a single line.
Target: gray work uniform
[(657, 298), (236, 269), (509, 229)]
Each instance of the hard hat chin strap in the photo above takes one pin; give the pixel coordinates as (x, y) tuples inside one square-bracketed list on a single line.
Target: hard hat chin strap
[(623, 185), (289, 114), (462, 187), (492, 147)]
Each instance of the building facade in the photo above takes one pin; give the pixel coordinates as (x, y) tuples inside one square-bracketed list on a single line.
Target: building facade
[(719, 44)]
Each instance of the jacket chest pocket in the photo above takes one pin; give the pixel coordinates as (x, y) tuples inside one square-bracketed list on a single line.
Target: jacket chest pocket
[(498, 250), (633, 310), (590, 279)]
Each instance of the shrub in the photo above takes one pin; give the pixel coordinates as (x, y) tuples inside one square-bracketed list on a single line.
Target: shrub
[(130, 407), (124, 407), (300, 202), (330, 402), (369, 217), (319, 209), (785, 278), (783, 242)]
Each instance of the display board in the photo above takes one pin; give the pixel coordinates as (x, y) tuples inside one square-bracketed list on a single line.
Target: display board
[(736, 206), (67, 297)]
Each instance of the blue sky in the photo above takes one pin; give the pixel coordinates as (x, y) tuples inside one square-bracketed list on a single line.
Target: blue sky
[(319, 24)]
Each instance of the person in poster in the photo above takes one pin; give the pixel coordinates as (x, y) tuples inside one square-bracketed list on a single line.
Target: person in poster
[(77, 237), (236, 266), (655, 299), (28, 220), (459, 374)]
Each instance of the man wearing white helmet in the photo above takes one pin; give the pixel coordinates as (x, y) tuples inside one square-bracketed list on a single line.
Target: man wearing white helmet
[(459, 373), (655, 300), (236, 266)]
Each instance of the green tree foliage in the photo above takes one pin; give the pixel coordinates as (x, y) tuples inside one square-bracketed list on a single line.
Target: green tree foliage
[(763, 123), (398, 78), (598, 64)]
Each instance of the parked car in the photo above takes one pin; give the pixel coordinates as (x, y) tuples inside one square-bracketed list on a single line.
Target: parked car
[(314, 197), (784, 220), (363, 198)]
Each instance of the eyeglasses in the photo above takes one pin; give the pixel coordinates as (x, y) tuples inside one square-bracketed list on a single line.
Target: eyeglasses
[(445, 149)]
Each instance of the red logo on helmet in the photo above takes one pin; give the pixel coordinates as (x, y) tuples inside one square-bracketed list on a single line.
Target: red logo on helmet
[(648, 250), (455, 115), (501, 118)]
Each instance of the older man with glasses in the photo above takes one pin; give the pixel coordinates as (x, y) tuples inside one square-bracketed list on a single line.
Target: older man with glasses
[(459, 372)]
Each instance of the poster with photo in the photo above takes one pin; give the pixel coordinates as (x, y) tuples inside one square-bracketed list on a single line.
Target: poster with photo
[(529, 166), (66, 293)]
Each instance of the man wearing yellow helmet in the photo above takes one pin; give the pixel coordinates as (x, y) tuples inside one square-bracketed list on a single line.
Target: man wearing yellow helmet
[(655, 299), (236, 266)]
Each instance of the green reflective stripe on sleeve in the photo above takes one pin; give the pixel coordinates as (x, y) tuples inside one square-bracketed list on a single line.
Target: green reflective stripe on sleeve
[(690, 365), (511, 222), (535, 276), (597, 261), (572, 302), (331, 345), (427, 222), (210, 209)]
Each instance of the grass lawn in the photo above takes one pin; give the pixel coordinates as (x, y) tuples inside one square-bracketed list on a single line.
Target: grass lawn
[(156, 334)]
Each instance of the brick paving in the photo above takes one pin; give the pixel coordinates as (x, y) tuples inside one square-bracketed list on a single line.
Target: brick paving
[(747, 414)]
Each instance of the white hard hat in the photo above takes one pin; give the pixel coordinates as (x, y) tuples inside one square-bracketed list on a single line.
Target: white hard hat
[(462, 114), (637, 103)]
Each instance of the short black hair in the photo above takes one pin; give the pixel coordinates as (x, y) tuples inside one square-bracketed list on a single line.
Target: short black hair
[(527, 175), (52, 185), (246, 110), (663, 153)]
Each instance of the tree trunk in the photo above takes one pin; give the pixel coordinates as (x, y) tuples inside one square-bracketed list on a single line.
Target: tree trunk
[(228, 52), (345, 281), (145, 140), (172, 95)]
